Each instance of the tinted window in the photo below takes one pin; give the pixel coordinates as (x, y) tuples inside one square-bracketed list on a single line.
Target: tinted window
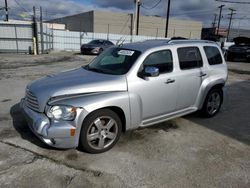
[(189, 57), (109, 43), (213, 55), (162, 60)]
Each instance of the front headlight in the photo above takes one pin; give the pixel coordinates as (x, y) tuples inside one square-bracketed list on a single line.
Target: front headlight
[(67, 113), (96, 49)]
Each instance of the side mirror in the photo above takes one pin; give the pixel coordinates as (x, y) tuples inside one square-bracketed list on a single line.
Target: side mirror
[(151, 72)]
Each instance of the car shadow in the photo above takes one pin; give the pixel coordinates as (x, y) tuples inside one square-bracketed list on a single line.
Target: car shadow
[(234, 118), (21, 126)]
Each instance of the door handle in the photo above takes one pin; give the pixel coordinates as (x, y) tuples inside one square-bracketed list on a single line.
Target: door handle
[(203, 74), (169, 81)]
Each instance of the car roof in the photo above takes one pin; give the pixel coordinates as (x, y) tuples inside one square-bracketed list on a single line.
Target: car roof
[(149, 44)]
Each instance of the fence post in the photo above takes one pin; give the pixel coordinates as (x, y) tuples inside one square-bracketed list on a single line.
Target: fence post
[(35, 34), (17, 50), (41, 30), (52, 36), (108, 33)]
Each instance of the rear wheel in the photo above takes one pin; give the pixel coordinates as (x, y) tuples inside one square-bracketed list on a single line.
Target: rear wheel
[(100, 131), (212, 102)]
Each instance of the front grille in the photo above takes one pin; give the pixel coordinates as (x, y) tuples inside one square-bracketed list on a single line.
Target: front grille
[(31, 101), (87, 49)]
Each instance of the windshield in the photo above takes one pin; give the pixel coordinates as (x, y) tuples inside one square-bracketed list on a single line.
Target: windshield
[(116, 61)]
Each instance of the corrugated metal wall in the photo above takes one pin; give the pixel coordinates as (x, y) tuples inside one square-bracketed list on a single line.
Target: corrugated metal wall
[(15, 38), (18, 38), (70, 40)]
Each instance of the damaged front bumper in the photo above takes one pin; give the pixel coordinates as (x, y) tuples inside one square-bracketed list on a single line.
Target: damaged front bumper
[(55, 134)]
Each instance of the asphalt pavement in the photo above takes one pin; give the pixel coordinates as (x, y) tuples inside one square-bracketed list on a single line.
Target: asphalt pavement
[(184, 152)]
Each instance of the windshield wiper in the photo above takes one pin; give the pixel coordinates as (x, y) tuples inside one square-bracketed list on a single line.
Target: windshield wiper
[(87, 67)]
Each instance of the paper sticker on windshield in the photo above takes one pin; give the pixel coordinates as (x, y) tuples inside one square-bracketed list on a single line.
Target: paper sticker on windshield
[(126, 52)]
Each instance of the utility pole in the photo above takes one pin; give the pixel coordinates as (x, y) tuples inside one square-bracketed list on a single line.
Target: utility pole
[(6, 11), (213, 24), (230, 21), (135, 17), (167, 19), (41, 30), (218, 28), (35, 35), (138, 17)]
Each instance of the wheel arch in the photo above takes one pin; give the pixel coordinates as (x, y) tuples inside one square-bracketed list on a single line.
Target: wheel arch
[(207, 89), (119, 111)]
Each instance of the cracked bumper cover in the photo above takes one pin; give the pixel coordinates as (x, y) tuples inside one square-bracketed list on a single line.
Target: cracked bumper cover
[(55, 134)]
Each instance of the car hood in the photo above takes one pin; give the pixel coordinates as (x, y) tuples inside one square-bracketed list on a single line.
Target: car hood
[(78, 81)]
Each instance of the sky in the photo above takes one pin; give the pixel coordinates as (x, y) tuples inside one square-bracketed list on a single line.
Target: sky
[(199, 10)]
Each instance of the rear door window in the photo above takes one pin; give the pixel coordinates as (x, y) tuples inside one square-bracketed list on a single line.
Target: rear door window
[(213, 55), (189, 58)]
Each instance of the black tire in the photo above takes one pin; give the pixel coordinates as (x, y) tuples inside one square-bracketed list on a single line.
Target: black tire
[(96, 127), (211, 106)]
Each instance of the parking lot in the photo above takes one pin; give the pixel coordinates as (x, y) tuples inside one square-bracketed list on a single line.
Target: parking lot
[(184, 152)]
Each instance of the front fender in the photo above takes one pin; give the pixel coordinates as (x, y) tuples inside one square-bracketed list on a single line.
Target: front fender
[(91, 102)]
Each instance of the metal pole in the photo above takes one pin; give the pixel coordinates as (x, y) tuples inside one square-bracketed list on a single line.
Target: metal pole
[(138, 17), (17, 50), (167, 19), (41, 30), (218, 28), (35, 28), (6, 11), (230, 21), (135, 16), (108, 33)]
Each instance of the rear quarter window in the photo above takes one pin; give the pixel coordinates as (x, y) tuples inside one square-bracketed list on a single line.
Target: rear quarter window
[(213, 55)]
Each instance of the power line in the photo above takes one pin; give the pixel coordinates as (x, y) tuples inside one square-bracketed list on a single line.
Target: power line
[(236, 2), (149, 8), (22, 7)]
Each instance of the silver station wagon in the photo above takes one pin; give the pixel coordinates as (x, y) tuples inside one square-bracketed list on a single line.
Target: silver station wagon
[(126, 87)]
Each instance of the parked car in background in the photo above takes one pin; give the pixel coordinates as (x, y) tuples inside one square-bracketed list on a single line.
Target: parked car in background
[(241, 49), (124, 88), (95, 47)]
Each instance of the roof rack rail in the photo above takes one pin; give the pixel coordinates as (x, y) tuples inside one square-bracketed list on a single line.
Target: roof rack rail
[(188, 41)]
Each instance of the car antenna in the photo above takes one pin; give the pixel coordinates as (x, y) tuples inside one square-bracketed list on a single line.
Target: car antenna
[(121, 43)]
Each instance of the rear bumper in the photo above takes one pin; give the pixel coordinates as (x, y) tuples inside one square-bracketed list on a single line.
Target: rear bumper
[(53, 134)]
